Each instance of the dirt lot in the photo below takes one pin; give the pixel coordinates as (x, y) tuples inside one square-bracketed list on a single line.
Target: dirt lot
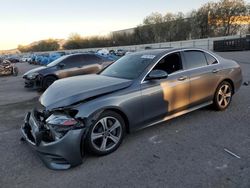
[(184, 152)]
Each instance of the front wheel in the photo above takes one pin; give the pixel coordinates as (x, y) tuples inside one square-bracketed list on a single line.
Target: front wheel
[(106, 133), (48, 81), (223, 96)]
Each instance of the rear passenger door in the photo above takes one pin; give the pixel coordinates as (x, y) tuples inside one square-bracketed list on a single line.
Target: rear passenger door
[(71, 66), (90, 64), (202, 69)]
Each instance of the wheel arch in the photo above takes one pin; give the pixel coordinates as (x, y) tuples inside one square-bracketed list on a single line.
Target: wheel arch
[(229, 81), (43, 80), (124, 116), (96, 114), (49, 75)]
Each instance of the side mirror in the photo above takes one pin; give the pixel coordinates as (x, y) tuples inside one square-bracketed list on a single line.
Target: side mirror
[(157, 74), (61, 65)]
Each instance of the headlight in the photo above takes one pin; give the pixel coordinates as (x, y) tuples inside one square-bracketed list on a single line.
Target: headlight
[(32, 75), (61, 120), (60, 124)]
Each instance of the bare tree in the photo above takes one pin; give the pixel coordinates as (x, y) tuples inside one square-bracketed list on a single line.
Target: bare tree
[(229, 15)]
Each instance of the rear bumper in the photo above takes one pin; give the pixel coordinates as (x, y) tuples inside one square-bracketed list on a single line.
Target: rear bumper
[(61, 154)]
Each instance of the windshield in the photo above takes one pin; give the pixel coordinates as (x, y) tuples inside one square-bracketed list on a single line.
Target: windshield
[(53, 63), (129, 67)]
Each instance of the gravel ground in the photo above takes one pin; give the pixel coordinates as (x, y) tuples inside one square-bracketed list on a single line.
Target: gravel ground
[(184, 152)]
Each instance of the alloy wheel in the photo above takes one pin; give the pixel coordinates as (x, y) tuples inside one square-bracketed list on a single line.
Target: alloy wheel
[(224, 95), (106, 133)]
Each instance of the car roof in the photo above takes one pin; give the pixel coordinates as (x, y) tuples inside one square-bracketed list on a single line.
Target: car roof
[(161, 51), (82, 53)]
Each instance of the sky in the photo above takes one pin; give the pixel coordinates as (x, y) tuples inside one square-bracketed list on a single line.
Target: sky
[(26, 21)]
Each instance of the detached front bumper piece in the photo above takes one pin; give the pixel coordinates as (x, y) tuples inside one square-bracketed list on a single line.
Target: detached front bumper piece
[(59, 154)]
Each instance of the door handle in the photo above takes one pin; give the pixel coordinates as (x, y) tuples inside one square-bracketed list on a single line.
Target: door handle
[(215, 70), (182, 78)]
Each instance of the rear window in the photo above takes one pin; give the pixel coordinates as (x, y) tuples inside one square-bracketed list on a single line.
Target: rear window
[(195, 59), (72, 61), (90, 59)]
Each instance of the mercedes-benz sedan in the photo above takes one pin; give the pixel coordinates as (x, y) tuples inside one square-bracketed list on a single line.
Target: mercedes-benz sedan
[(139, 90), (64, 67)]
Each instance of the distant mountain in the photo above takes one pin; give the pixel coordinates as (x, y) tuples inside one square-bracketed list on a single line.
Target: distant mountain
[(12, 51), (61, 42)]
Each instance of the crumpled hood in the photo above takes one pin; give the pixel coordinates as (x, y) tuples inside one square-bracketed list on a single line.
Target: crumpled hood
[(71, 90), (35, 70)]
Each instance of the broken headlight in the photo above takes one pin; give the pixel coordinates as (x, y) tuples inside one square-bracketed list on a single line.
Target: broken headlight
[(60, 124), (32, 75)]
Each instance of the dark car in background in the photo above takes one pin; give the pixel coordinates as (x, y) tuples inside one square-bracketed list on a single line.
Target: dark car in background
[(66, 66), (139, 90), (120, 52)]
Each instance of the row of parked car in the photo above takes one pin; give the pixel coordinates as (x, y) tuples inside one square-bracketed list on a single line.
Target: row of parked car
[(7, 63), (66, 66), (46, 58), (60, 65)]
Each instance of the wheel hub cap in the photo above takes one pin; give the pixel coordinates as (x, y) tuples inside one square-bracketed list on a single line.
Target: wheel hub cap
[(224, 96), (106, 134)]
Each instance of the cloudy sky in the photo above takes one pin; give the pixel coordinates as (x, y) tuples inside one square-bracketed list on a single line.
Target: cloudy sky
[(25, 21)]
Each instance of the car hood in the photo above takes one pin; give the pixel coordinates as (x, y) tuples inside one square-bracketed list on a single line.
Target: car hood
[(35, 70), (71, 90)]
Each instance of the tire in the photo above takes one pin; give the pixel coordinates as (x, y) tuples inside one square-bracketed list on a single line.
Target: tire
[(103, 142), (47, 81), (223, 96), (15, 71)]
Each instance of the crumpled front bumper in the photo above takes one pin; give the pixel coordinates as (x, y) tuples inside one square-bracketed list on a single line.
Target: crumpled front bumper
[(61, 154), (34, 83)]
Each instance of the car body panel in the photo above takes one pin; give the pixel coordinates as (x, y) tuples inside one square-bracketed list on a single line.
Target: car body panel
[(203, 83), (163, 97), (80, 88), (58, 155)]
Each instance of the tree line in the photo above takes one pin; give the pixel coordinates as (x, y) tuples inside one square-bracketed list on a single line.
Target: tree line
[(222, 18), (41, 46)]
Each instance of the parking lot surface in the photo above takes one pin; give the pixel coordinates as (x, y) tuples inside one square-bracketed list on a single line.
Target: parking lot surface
[(12, 88), (188, 151)]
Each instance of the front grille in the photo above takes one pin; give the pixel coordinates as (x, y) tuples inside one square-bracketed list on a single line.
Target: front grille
[(27, 130)]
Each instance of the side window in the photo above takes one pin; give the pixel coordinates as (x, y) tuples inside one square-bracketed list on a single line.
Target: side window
[(195, 59), (72, 61), (88, 59), (210, 59), (171, 63)]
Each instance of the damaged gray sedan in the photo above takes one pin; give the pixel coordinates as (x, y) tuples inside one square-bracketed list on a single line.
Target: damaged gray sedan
[(139, 90)]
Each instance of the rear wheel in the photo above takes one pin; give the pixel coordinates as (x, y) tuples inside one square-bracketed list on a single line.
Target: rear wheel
[(106, 133), (223, 96), (48, 81)]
